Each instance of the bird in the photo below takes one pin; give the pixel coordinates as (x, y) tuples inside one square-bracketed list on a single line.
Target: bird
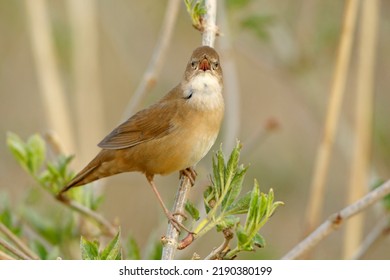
[(173, 134)]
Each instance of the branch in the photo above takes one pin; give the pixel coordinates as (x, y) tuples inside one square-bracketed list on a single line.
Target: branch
[(321, 167), (334, 221), (160, 53), (100, 220), (172, 235), (209, 27), (217, 252), (12, 237), (380, 230)]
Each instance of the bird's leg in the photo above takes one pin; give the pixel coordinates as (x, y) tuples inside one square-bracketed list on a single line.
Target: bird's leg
[(175, 223), (190, 173)]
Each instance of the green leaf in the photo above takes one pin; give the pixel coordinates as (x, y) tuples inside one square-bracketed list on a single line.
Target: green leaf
[(37, 152), (220, 176), (18, 149), (243, 239), (235, 188), (89, 250), (253, 206), (241, 206), (113, 249), (227, 222), (133, 252), (259, 241), (192, 210), (208, 196), (232, 164)]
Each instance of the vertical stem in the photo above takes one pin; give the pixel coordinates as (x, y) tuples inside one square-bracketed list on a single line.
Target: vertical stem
[(314, 208), (209, 23), (51, 90), (363, 121)]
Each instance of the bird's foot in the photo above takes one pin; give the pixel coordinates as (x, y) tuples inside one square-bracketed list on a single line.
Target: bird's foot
[(190, 173), (175, 223)]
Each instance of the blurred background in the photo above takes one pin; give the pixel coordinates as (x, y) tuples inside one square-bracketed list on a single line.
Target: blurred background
[(280, 59)]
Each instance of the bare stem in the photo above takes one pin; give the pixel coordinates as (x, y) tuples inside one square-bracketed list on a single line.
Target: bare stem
[(160, 53), (321, 167), (377, 233), (334, 221), (217, 252), (12, 237)]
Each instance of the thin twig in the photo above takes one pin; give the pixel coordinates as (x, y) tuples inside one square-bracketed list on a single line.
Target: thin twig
[(314, 207), (377, 233), (172, 235), (216, 253), (13, 250), (12, 237), (50, 86), (100, 220), (334, 221), (159, 54), (363, 122)]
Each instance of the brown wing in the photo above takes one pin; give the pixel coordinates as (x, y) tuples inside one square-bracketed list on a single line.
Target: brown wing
[(150, 123)]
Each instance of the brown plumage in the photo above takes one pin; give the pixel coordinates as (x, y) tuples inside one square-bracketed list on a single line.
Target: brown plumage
[(170, 135)]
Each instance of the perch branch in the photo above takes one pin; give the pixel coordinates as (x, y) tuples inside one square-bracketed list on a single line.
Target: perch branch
[(334, 221), (172, 235), (12, 237), (160, 53)]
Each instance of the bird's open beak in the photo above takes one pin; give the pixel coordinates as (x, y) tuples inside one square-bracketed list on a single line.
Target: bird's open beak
[(204, 65)]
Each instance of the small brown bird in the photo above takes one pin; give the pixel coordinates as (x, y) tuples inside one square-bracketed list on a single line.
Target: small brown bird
[(172, 135)]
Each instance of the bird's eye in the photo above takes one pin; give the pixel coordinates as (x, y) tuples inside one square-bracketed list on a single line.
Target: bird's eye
[(216, 65), (193, 64)]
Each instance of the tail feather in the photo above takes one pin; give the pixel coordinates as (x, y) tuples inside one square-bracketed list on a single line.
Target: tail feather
[(99, 167)]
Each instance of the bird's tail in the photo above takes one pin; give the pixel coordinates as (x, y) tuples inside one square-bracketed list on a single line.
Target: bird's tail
[(92, 172)]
